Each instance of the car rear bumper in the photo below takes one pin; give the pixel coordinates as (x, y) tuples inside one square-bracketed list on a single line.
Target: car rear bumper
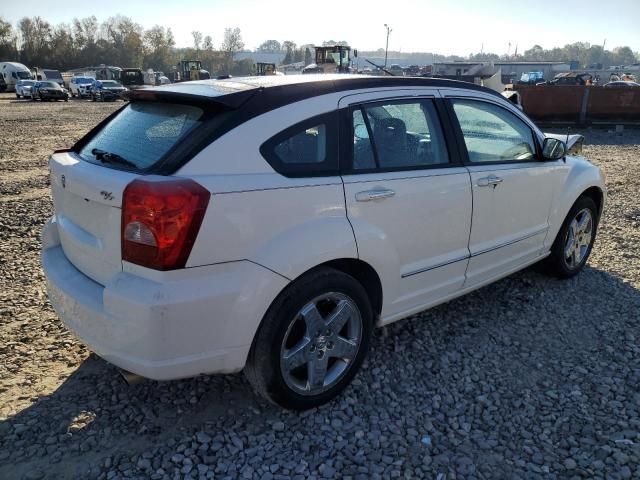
[(202, 321)]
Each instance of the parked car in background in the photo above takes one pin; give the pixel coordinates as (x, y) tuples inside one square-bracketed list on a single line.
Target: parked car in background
[(107, 91), (34, 90), (23, 88), (531, 78), (81, 86), (49, 90), (270, 223), (621, 83), (162, 79), (132, 78), (396, 69), (572, 78), (13, 72), (41, 74)]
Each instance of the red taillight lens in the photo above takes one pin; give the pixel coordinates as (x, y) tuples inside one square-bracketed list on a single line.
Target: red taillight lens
[(160, 221)]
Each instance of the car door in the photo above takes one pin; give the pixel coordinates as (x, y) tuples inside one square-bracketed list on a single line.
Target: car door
[(408, 199), (513, 189)]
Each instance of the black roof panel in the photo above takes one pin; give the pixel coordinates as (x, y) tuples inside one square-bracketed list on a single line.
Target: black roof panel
[(266, 93)]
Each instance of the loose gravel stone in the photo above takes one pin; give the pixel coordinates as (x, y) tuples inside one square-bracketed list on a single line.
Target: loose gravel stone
[(530, 377)]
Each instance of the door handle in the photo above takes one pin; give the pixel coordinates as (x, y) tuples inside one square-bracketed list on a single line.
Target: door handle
[(376, 194), (491, 180)]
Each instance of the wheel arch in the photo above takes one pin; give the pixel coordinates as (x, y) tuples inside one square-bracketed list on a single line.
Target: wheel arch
[(584, 179), (597, 195), (365, 274), (360, 270)]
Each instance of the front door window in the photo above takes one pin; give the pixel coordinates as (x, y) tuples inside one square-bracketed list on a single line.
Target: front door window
[(493, 134)]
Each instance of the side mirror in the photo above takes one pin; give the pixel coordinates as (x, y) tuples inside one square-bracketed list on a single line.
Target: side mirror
[(553, 149), (360, 131), (355, 53)]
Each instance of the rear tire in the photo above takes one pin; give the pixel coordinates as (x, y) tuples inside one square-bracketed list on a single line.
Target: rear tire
[(574, 242), (312, 340)]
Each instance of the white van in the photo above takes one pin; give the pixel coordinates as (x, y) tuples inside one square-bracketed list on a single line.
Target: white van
[(42, 74), (13, 72)]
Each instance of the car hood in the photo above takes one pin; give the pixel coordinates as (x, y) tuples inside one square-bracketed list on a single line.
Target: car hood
[(570, 140)]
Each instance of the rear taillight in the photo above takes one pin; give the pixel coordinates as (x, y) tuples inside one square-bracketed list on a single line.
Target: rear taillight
[(160, 221)]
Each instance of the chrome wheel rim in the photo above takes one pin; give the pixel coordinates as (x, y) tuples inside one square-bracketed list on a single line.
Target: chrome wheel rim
[(321, 343), (579, 236)]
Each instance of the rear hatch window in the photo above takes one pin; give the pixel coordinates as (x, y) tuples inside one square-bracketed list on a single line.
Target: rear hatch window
[(141, 135)]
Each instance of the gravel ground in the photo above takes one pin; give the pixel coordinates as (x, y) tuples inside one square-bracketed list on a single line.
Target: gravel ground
[(528, 378)]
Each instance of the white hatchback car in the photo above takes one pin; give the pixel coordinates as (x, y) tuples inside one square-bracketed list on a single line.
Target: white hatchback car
[(269, 223)]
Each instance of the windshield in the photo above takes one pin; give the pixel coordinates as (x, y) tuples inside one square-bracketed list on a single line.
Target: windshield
[(23, 75), (109, 83), (53, 74), (83, 81), (50, 85), (143, 133), (27, 83)]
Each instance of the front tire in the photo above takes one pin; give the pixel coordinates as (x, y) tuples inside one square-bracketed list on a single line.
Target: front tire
[(312, 340), (572, 247)]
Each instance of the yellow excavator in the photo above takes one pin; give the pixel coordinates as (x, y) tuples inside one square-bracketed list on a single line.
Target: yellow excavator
[(263, 69), (332, 59), (188, 70)]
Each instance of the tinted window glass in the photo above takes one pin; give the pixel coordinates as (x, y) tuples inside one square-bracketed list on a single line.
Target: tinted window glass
[(306, 149), (493, 134), (405, 134), (142, 133), (363, 157), (306, 146)]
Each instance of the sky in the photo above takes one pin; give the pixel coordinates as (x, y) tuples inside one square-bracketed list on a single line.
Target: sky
[(457, 27)]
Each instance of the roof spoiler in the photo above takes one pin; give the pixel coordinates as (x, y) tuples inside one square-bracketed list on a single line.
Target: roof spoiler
[(231, 100)]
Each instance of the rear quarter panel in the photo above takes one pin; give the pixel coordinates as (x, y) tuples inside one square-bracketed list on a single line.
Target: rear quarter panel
[(288, 225)]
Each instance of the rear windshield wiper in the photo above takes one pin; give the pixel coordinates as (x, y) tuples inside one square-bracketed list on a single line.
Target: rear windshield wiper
[(108, 157)]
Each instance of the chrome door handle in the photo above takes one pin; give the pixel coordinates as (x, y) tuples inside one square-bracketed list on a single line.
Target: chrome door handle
[(491, 180), (376, 194)]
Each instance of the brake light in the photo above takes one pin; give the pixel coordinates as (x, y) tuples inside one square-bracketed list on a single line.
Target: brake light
[(160, 221)]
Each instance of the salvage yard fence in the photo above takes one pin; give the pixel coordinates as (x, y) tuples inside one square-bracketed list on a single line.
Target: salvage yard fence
[(581, 104)]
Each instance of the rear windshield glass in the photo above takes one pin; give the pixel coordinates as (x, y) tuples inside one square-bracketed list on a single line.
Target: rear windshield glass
[(141, 134)]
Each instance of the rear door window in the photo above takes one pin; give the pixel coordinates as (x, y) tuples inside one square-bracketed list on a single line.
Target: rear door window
[(141, 134)]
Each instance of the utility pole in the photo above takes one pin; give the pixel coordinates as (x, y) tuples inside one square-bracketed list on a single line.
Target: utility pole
[(386, 50)]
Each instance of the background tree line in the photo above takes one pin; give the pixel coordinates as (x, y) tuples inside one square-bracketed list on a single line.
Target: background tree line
[(121, 41), (582, 52), (116, 41)]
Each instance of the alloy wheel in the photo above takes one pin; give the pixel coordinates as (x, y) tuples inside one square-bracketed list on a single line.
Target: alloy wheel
[(321, 343), (579, 237)]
